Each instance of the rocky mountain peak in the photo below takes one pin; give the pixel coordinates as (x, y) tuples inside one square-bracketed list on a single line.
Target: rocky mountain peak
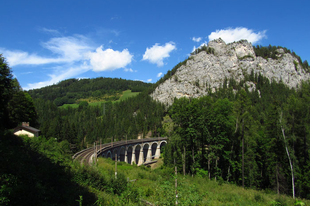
[(218, 61)]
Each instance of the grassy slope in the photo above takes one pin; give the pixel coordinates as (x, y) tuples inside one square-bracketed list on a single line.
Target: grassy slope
[(44, 175), (126, 94), (158, 186)]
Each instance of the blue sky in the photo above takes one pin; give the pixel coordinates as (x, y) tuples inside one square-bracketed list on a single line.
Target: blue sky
[(46, 41)]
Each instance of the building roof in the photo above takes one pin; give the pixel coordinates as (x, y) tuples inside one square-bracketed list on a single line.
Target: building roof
[(27, 128)]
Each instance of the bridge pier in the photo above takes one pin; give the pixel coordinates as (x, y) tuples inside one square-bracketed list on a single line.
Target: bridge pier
[(133, 157), (126, 160), (141, 157), (157, 153), (149, 154)]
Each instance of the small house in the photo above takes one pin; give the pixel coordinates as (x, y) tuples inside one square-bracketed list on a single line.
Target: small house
[(25, 129)]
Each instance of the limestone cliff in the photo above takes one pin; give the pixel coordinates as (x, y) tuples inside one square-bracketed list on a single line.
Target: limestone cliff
[(205, 69)]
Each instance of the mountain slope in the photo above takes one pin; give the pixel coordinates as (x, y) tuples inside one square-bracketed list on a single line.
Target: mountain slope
[(72, 90), (206, 71)]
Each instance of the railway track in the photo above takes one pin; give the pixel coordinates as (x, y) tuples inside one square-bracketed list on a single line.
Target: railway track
[(86, 156)]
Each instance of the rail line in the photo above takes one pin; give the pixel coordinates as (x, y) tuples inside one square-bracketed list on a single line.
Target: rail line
[(86, 155)]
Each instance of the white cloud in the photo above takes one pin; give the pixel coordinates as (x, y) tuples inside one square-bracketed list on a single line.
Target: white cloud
[(194, 49), (50, 31), (108, 59), (66, 49), (159, 74), (156, 53), (230, 35), (139, 80), (149, 80), (69, 48), (69, 56), (129, 70), (196, 39), (59, 76), (20, 57)]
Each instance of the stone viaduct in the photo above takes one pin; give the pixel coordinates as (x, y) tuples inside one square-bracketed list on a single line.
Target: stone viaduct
[(137, 152)]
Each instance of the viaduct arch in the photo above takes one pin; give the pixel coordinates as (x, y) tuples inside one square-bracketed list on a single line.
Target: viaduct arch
[(138, 153)]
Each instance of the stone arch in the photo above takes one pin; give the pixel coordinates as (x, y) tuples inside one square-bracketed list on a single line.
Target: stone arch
[(146, 147), (159, 149), (162, 144), (154, 146), (137, 157), (121, 154), (115, 151), (109, 154)]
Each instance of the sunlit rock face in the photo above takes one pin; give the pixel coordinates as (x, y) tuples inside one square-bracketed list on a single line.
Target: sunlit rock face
[(204, 71)]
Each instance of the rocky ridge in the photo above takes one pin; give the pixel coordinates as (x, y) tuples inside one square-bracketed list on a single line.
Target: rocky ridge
[(232, 60)]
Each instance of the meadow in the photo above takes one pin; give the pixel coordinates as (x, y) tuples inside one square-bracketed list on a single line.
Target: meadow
[(157, 186), (91, 102)]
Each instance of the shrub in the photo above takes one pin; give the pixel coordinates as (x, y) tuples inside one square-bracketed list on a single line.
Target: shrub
[(119, 185)]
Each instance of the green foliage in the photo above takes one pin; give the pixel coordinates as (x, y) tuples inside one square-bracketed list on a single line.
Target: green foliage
[(239, 139), (16, 106), (71, 90), (208, 50), (104, 121), (21, 109), (245, 57), (130, 195), (83, 104), (119, 185), (200, 122), (6, 89), (299, 203), (296, 65), (46, 175), (37, 172)]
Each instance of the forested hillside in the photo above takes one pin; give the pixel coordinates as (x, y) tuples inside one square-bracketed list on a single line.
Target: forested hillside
[(107, 121), (257, 139), (71, 90)]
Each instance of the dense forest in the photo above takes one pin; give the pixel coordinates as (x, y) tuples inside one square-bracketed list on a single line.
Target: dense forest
[(106, 122), (257, 139)]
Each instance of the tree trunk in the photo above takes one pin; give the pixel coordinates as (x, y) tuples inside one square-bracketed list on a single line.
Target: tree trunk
[(215, 168), (193, 161), (209, 172), (228, 172), (242, 136), (184, 160), (289, 158), (277, 178)]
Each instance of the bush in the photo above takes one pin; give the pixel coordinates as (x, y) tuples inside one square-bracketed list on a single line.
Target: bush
[(201, 173), (119, 185)]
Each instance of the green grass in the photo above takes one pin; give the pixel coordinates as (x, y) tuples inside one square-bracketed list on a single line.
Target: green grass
[(65, 106), (158, 187), (126, 94)]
